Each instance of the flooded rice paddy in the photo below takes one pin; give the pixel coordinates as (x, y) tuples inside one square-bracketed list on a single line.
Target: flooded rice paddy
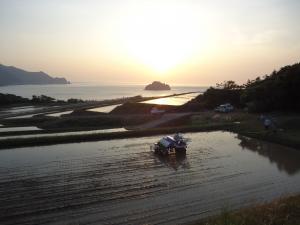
[(174, 100), (58, 114), (75, 133), (104, 109), (12, 129), (24, 116), (20, 109), (123, 182)]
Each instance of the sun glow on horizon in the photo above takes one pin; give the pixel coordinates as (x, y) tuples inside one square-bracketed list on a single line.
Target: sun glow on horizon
[(137, 41), (162, 38)]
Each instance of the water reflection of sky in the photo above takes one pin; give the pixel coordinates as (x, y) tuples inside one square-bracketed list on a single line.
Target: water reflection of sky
[(24, 116), (104, 109), (58, 114), (123, 182), (20, 109), (11, 129), (176, 100)]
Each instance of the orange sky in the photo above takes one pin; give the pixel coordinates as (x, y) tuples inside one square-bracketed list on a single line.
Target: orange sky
[(178, 42)]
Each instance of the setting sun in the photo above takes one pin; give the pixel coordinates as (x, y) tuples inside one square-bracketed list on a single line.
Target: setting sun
[(129, 41), (163, 37)]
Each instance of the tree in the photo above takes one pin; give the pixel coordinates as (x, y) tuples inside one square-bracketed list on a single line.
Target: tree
[(228, 85), (42, 99), (278, 91)]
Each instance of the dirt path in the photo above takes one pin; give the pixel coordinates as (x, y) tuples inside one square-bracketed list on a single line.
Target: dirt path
[(168, 117)]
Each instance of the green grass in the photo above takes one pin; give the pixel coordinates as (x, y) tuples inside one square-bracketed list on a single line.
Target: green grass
[(284, 211)]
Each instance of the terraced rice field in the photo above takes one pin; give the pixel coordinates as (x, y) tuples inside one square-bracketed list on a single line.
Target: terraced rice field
[(123, 182)]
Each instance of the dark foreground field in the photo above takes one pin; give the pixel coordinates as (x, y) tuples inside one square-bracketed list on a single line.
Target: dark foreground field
[(284, 211)]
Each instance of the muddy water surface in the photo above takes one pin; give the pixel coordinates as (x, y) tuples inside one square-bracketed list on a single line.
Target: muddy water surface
[(122, 182)]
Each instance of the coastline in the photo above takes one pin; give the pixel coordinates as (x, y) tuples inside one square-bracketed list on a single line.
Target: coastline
[(92, 91)]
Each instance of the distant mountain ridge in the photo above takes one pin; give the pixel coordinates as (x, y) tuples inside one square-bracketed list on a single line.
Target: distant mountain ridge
[(10, 75)]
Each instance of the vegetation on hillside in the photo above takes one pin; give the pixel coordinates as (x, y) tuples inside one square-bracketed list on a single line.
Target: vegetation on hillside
[(277, 91), (7, 99), (213, 97)]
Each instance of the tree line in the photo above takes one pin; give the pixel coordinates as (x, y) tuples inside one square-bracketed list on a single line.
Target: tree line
[(277, 91), (8, 99)]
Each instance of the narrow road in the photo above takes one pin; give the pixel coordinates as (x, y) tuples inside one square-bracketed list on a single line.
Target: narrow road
[(168, 117)]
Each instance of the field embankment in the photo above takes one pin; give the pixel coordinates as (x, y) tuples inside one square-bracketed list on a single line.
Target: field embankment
[(284, 211)]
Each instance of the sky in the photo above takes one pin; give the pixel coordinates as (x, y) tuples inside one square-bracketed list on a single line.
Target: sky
[(190, 42)]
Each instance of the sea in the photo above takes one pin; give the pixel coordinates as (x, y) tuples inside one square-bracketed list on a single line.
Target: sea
[(90, 91)]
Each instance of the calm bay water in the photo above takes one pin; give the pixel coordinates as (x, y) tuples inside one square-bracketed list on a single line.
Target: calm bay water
[(91, 91), (123, 182)]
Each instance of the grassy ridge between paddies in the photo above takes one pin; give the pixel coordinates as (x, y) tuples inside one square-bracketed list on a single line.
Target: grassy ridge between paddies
[(37, 141), (285, 134), (288, 133), (284, 211), (248, 124)]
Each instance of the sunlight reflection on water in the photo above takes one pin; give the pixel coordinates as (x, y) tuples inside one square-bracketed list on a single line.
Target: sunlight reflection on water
[(176, 100)]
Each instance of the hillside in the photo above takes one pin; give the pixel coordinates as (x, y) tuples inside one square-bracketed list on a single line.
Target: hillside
[(10, 75), (278, 91)]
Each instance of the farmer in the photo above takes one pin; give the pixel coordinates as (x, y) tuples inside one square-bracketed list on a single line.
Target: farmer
[(267, 123)]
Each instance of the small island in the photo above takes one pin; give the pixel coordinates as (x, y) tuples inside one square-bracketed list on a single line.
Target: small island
[(157, 86)]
